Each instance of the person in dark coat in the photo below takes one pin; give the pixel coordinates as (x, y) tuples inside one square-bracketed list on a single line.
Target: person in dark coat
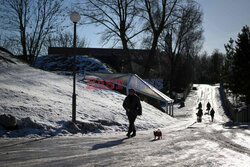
[(132, 105), (212, 114), (208, 106), (199, 105), (199, 115)]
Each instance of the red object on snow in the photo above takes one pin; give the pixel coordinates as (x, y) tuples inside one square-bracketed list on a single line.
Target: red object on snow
[(158, 134)]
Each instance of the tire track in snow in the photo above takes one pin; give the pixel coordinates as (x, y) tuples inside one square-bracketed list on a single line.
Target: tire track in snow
[(214, 136), (225, 142)]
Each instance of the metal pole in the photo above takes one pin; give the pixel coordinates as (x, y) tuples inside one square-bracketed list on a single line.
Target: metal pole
[(172, 110), (166, 107), (74, 78)]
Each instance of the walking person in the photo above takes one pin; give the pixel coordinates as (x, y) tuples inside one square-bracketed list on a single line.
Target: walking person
[(212, 114), (199, 106), (208, 108), (199, 115), (132, 105)]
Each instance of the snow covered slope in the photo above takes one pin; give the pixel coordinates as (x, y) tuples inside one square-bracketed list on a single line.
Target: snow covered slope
[(64, 63), (46, 98)]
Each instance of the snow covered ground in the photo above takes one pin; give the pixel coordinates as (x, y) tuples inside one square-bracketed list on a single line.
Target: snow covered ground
[(46, 98), (185, 143)]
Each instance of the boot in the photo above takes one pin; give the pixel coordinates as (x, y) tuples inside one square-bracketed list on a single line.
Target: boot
[(133, 134), (128, 135)]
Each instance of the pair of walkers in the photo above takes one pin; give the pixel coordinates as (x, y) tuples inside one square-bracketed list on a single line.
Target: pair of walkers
[(211, 112)]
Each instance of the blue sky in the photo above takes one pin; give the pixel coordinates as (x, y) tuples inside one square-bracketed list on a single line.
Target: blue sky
[(222, 19)]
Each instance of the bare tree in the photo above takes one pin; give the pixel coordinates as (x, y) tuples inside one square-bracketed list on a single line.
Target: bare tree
[(119, 17), (31, 21), (158, 15), (64, 39), (184, 37)]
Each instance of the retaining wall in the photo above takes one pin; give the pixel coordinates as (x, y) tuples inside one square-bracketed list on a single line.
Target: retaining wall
[(235, 115)]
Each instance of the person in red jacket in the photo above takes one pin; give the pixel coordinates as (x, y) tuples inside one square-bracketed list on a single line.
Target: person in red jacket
[(132, 105)]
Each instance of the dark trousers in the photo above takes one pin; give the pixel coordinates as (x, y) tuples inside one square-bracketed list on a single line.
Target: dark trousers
[(212, 117), (131, 127)]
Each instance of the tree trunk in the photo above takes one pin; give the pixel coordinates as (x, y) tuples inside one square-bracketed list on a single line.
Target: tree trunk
[(23, 42), (172, 72), (151, 57), (127, 57)]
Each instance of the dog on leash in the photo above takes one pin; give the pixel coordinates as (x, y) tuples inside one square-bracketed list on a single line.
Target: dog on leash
[(158, 134)]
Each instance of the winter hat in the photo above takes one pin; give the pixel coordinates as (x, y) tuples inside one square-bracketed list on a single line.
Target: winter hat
[(131, 89)]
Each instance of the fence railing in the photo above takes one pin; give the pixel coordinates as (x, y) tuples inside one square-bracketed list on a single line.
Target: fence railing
[(235, 115)]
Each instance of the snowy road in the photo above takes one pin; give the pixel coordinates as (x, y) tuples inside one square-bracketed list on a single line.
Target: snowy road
[(185, 143)]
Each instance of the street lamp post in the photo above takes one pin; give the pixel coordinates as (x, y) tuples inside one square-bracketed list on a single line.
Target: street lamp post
[(74, 17)]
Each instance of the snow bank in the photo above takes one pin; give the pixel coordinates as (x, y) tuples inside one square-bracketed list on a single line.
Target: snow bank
[(46, 98), (64, 63)]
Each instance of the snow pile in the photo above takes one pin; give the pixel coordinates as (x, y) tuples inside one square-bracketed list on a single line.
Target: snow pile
[(44, 99), (64, 63)]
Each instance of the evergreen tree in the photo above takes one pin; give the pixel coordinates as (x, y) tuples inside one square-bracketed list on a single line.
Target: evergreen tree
[(216, 61), (228, 63), (236, 71), (241, 64)]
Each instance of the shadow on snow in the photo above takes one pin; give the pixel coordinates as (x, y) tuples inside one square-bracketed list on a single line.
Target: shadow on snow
[(108, 144)]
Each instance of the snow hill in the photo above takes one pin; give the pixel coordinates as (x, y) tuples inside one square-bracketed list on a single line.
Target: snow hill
[(44, 98), (64, 63)]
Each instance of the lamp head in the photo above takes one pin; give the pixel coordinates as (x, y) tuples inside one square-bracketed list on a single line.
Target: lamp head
[(75, 17)]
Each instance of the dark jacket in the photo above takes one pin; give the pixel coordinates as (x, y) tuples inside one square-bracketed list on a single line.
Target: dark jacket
[(212, 112), (199, 105), (132, 105), (200, 113), (208, 106)]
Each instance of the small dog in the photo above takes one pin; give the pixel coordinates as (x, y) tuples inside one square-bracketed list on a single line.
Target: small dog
[(158, 134)]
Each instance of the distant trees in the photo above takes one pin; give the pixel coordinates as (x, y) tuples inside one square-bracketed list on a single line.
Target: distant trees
[(231, 69), (157, 16), (208, 69), (29, 22), (64, 39), (172, 30), (215, 68), (181, 41), (228, 63), (174, 37), (236, 71), (119, 19), (177, 22), (124, 20), (201, 68)]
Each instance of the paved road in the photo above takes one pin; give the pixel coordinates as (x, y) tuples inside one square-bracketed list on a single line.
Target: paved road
[(193, 146), (67, 151)]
